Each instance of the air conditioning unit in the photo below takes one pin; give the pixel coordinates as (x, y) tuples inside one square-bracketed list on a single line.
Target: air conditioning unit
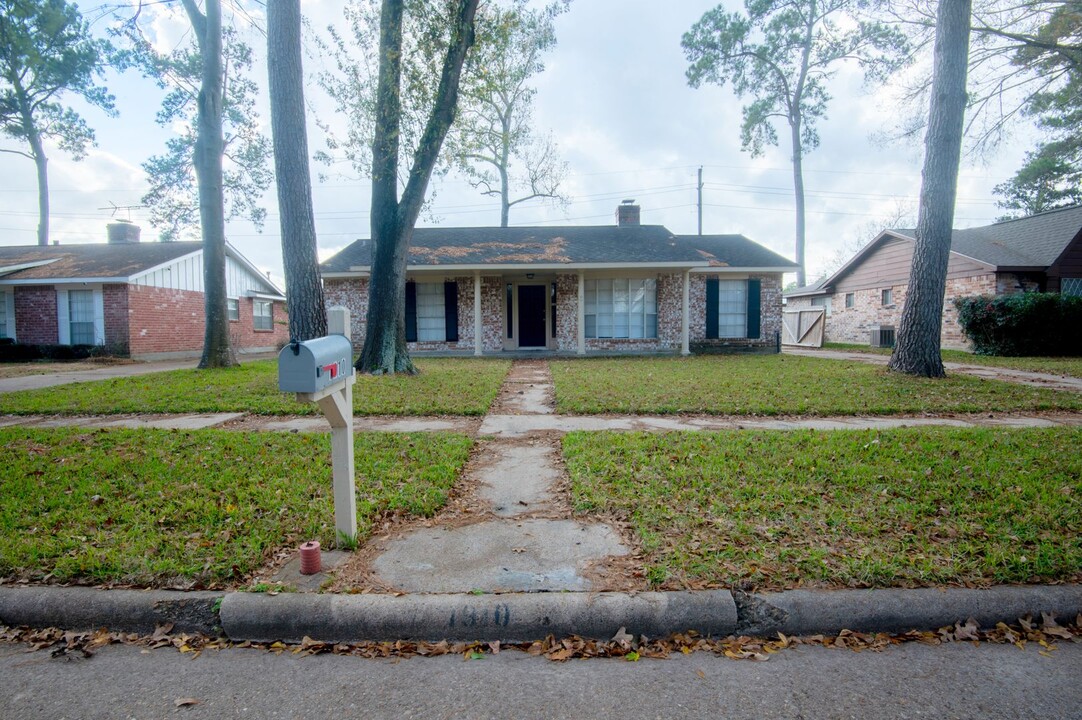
[(883, 336)]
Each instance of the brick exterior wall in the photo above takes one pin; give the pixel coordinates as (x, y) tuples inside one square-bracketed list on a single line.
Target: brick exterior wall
[(567, 313), (115, 302), (35, 315), (351, 293), (163, 321), (855, 324)]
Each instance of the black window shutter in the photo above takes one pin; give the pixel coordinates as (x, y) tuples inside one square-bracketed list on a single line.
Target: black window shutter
[(450, 309), (754, 303), (711, 308), (411, 312)]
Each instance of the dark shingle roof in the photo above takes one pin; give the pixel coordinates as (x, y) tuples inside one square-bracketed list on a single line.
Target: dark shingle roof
[(90, 260), (734, 251), (1034, 241), (589, 244)]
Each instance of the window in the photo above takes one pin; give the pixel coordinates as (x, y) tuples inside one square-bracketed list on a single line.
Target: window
[(888, 297), (262, 315), (732, 308), (81, 316), (621, 308), (823, 302), (431, 320), (233, 309), (1071, 286), (4, 332), (850, 300)]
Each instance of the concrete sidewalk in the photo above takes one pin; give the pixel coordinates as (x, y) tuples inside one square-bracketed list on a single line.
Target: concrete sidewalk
[(988, 372)]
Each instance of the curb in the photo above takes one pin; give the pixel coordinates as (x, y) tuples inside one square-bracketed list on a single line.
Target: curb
[(813, 612), (138, 611), (516, 617), (519, 617)]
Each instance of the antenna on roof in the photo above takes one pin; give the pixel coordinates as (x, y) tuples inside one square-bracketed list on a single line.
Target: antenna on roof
[(115, 208)]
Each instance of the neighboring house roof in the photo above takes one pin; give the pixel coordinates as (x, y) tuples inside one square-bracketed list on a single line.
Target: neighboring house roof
[(102, 262), (1033, 242), (590, 245), (63, 262)]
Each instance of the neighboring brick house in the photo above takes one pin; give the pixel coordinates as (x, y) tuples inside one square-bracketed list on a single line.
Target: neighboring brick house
[(1036, 253), (142, 299), (575, 290)]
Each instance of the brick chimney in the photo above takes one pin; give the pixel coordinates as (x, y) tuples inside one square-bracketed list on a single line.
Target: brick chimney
[(627, 214), (122, 232)]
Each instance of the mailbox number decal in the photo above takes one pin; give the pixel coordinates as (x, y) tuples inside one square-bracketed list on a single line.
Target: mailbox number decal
[(332, 369)]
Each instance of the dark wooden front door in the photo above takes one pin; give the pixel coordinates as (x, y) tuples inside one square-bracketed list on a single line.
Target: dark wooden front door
[(531, 316)]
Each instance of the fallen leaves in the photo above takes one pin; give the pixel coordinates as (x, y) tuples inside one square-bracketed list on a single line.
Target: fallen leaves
[(1044, 632)]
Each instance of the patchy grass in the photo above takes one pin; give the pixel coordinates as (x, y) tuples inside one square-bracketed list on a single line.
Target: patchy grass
[(155, 507), (910, 507), (445, 386), (1069, 366), (780, 385)]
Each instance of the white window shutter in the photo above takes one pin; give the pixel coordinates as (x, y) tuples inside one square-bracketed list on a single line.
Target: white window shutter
[(99, 317)]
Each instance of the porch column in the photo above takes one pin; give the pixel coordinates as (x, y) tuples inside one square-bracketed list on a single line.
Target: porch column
[(685, 342), (477, 336), (581, 324)]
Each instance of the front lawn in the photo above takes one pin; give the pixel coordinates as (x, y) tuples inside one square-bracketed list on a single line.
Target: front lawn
[(445, 386), (780, 385), (909, 507), (1070, 366), (154, 507)]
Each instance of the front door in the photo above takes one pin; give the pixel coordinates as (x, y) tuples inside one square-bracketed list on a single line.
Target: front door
[(531, 316)]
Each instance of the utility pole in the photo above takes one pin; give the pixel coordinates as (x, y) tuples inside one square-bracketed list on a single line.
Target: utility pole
[(700, 189)]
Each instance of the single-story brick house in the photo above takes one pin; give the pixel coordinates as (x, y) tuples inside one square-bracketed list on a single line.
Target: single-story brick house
[(575, 290), (143, 299), (1037, 253)]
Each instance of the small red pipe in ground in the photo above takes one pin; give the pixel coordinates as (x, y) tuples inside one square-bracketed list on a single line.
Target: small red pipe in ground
[(310, 558)]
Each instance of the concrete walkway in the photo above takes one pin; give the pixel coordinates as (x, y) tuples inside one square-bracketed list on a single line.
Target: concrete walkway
[(518, 534), (988, 372)]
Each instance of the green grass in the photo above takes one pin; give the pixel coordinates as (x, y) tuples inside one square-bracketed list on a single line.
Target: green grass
[(156, 507), (1070, 366), (445, 386), (780, 385), (910, 507)]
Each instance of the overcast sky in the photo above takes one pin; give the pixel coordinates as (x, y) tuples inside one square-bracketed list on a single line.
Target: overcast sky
[(615, 98)]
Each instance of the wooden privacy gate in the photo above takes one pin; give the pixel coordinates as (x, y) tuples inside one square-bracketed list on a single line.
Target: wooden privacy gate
[(803, 327)]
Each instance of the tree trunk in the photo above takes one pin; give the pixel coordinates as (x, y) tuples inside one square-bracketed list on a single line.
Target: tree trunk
[(42, 164), (209, 147), (798, 192), (305, 302), (918, 348), (385, 349)]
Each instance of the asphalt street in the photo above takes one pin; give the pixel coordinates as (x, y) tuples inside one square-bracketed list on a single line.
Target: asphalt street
[(909, 681)]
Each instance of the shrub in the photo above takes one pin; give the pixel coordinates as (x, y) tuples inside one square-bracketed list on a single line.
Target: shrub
[(1024, 324), (21, 352)]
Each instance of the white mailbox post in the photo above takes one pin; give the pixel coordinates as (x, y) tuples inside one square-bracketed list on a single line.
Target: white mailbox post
[(321, 371)]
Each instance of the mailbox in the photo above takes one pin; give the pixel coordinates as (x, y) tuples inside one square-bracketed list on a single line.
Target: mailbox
[(314, 365)]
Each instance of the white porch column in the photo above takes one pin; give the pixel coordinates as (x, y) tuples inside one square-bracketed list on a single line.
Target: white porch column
[(685, 341), (478, 339), (581, 324)]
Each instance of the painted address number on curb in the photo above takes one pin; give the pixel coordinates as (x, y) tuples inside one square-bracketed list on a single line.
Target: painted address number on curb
[(471, 616)]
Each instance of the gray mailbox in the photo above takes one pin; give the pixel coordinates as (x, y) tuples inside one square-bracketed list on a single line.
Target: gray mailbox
[(314, 365)]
